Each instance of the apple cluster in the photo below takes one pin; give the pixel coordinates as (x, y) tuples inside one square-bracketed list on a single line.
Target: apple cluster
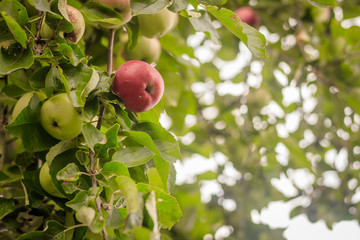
[(137, 83)]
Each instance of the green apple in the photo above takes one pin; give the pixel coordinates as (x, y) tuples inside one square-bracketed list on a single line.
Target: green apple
[(85, 215), (146, 49), (60, 118), (46, 182), (157, 24), (24, 102)]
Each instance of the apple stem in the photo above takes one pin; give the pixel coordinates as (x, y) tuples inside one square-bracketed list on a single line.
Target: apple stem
[(110, 50)]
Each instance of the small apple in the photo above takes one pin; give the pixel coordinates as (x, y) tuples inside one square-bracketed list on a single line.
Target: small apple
[(146, 49), (60, 118), (121, 6), (157, 24), (248, 15), (46, 182), (78, 22), (139, 85), (23, 102), (85, 215)]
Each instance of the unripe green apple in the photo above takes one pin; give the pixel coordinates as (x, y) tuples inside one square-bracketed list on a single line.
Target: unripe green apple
[(23, 102), (157, 24), (60, 118), (85, 215), (46, 182), (121, 6), (146, 49), (78, 22)]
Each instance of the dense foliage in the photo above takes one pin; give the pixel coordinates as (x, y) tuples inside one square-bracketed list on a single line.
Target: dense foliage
[(264, 105)]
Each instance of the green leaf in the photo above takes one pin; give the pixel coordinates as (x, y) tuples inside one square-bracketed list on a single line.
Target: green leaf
[(114, 168), (164, 170), (253, 39), (16, 10), (72, 52), (150, 205), (81, 81), (100, 13), (101, 150), (52, 231), (323, 3), (15, 58), (69, 173), (6, 206), (92, 135), (42, 5), (142, 138), (178, 5), (128, 188), (204, 24), (114, 219), (19, 79), (54, 80), (133, 156), (59, 148), (164, 141), (213, 2), (18, 33), (147, 6), (168, 209), (155, 179), (142, 233), (79, 200)]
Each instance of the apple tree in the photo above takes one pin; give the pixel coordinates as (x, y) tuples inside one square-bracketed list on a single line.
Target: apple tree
[(86, 155)]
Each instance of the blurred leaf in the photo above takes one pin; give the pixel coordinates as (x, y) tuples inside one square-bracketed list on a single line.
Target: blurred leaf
[(204, 24), (323, 3), (148, 6), (128, 188), (253, 39), (6, 206)]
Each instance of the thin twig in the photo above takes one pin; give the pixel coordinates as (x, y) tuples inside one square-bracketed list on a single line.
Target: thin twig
[(101, 113)]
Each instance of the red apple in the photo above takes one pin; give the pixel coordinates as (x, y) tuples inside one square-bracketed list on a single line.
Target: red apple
[(139, 85), (248, 15)]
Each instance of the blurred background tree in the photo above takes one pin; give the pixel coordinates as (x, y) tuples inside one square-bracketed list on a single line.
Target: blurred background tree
[(291, 118)]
